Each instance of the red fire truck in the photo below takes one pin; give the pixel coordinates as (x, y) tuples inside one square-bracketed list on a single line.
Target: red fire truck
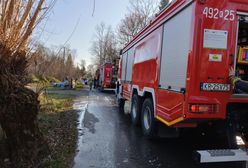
[(106, 76), (175, 71)]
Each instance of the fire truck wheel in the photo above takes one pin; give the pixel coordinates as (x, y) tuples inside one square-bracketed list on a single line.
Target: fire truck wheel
[(135, 110), (148, 122), (121, 104)]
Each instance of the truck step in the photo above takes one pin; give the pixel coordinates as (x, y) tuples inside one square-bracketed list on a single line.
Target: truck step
[(224, 155)]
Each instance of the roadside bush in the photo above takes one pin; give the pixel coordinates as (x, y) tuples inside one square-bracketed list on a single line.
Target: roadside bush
[(34, 79), (53, 79)]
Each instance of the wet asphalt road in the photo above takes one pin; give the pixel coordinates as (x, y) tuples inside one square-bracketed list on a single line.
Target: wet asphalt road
[(108, 140)]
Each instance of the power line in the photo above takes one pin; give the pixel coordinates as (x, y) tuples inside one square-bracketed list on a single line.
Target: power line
[(72, 33), (94, 7)]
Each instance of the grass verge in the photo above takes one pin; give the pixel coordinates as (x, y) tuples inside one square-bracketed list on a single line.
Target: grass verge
[(58, 123)]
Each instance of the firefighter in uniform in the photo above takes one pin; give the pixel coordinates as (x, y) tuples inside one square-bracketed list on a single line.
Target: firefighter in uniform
[(240, 85)]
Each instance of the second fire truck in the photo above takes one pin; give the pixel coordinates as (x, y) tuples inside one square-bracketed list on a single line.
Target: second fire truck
[(106, 76)]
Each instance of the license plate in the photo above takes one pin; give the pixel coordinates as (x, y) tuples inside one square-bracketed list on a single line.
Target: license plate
[(215, 87)]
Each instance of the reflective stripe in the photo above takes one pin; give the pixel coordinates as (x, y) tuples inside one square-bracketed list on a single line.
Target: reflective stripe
[(170, 123), (233, 80)]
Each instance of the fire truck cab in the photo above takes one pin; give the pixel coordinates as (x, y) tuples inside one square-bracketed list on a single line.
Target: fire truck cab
[(175, 71)]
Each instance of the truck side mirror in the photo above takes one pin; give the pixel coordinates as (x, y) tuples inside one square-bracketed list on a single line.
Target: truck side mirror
[(120, 52)]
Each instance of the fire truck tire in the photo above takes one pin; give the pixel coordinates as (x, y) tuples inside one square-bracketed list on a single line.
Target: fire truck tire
[(148, 121), (121, 105), (135, 110)]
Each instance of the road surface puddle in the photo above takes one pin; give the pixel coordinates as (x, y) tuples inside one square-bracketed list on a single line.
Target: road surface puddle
[(89, 121)]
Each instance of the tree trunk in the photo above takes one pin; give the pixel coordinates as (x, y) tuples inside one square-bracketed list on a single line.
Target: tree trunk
[(19, 107)]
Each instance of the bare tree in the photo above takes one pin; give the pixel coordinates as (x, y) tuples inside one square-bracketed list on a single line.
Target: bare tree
[(140, 13), (104, 46), (163, 4), (45, 63), (19, 106), (38, 61), (146, 8), (129, 27)]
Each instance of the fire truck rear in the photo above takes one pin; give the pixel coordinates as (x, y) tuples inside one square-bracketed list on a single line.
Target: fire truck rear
[(106, 76), (175, 71)]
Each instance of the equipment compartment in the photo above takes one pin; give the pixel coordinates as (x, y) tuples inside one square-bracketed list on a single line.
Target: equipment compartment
[(242, 47)]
